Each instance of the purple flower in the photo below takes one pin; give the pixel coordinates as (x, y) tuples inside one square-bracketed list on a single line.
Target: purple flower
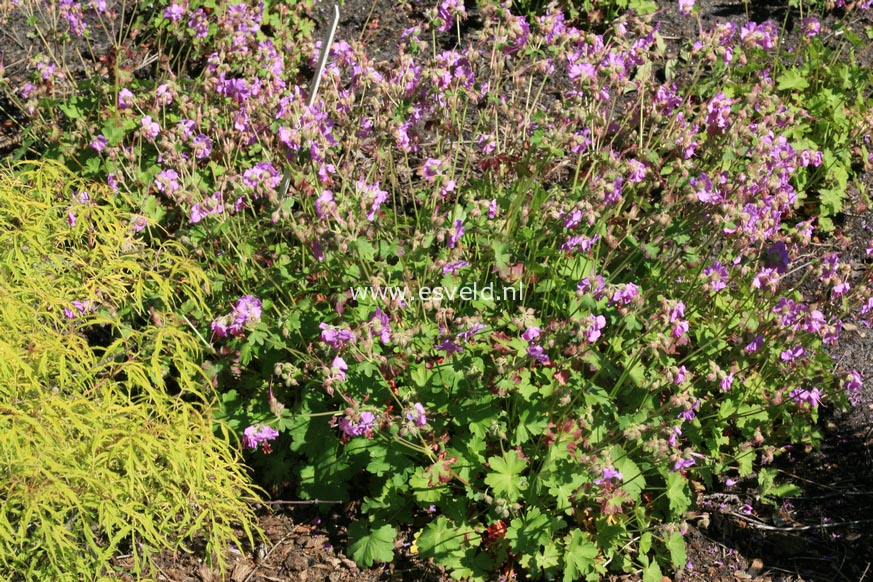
[(683, 464), (72, 11), (186, 128), (457, 234), (431, 169), (766, 279), (323, 203), (167, 181), (681, 375), (608, 475), (625, 294), (465, 336), (595, 324), (593, 284), (79, 308), (538, 353), (719, 108), (791, 354), (677, 312), (247, 310), (680, 329), (262, 173), (802, 396), (852, 386), (492, 208), (580, 243), (98, 143), (236, 89), (376, 196), (163, 95), (257, 435), (727, 382), (531, 333), (637, 171), (449, 347), (417, 415), (363, 427), (673, 440), (690, 413), (716, 275), (810, 26), (150, 129), (685, 7), (450, 10), (202, 146), (453, 268), (381, 325), (338, 368), (776, 257), (199, 23), (335, 337), (174, 12), (755, 344), (763, 35), (210, 206)]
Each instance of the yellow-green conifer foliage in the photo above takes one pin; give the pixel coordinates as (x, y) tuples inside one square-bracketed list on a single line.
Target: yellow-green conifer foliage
[(98, 455)]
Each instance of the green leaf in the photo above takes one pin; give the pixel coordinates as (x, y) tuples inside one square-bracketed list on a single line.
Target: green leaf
[(652, 573), (368, 546), (579, 557), (792, 79), (438, 538), (632, 481), (529, 533), (676, 546), (505, 477), (677, 493)]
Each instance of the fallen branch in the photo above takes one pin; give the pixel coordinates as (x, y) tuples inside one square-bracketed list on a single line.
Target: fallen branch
[(754, 522)]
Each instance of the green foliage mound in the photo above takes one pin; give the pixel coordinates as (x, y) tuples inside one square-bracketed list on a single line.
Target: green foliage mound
[(106, 444)]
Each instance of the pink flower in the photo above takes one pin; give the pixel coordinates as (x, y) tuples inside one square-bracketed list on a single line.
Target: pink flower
[(202, 146), (417, 415), (431, 169), (98, 143), (125, 99), (362, 427), (625, 294), (609, 474), (335, 337), (595, 324), (174, 12), (805, 397), (259, 435), (531, 334), (810, 27), (637, 171), (338, 368), (457, 234), (453, 268), (150, 128), (167, 181), (538, 353)]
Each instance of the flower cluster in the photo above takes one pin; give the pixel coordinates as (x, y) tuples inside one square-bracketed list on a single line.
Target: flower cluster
[(246, 311)]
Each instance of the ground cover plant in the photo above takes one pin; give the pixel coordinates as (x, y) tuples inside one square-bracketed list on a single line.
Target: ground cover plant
[(522, 296), (99, 457)]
